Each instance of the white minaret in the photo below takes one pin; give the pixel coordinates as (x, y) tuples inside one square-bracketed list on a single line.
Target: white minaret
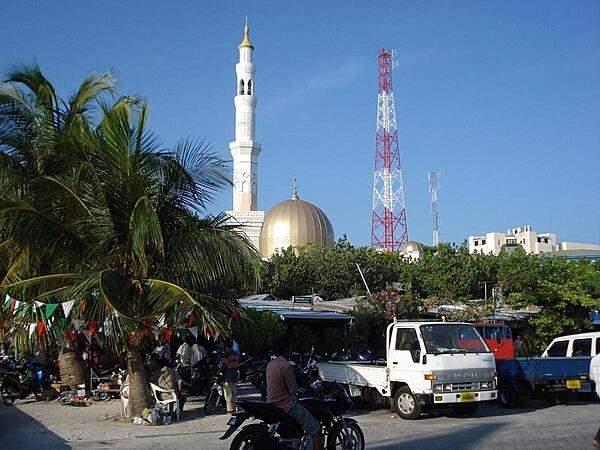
[(245, 149)]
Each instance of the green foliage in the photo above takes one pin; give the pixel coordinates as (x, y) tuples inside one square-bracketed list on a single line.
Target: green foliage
[(256, 331), (565, 290), (372, 314)]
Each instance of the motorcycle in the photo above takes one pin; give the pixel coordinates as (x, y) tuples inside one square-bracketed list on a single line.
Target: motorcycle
[(277, 430), (197, 377), (215, 398), (20, 382)]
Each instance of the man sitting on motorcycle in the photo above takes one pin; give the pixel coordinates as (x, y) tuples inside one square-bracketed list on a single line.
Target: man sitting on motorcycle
[(282, 389)]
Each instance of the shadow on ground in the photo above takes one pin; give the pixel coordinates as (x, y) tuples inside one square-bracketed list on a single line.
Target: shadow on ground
[(20, 431)]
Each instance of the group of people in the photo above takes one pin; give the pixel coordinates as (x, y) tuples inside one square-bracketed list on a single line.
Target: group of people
[(281, 379)]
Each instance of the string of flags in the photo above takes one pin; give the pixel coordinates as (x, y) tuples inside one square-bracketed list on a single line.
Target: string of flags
[(13, 306)]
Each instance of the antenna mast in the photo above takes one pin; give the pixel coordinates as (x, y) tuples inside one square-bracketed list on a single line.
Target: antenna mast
[(434, 188), (388, 225)]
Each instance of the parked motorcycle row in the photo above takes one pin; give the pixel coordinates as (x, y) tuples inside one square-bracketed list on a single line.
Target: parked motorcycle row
[(21, 378)]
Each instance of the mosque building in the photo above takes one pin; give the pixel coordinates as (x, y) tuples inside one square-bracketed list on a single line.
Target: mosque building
[(293, 222)]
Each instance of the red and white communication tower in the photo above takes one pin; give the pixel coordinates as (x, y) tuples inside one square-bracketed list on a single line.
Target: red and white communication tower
[(388, 227)]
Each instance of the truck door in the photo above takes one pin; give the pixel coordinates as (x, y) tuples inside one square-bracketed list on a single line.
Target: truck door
[(405, 356)]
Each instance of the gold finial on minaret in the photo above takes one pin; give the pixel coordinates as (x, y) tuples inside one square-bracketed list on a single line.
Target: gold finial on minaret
[(295, 193), (246, 41)]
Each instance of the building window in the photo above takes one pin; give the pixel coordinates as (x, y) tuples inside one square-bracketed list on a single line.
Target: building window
[(483, 242), (249, 87), (241, 92)]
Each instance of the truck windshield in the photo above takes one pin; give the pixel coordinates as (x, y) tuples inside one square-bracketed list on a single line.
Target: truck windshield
[(452, 338)]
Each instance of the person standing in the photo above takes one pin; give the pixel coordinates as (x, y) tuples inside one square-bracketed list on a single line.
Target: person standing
[(184, 353), (595, 375), (282, 388), (231, 376)]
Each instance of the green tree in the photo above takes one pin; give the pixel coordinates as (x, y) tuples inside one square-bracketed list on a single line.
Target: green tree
[(121, 226)]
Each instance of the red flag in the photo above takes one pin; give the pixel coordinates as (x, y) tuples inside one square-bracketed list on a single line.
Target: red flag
[(191, 319), (167, 333), (11, 308), (93, 326), (41, 328)]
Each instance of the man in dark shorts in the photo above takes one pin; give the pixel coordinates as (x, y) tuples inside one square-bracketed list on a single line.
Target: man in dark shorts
[(282, 388)]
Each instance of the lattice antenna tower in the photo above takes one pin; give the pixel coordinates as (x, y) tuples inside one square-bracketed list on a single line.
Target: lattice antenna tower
[(388, 225), (434, 188)]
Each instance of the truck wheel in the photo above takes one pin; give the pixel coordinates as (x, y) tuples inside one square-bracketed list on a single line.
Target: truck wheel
[(406, 404), (508, 396)]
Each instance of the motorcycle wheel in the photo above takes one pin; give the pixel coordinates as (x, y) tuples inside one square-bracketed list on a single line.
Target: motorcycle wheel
[(7, 396), (211, 403), (252, 437), (349, 438)]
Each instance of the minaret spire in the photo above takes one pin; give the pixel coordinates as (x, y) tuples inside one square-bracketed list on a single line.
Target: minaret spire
[(245, 149)]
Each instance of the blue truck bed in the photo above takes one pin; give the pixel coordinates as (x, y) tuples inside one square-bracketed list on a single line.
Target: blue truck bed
[(538, 376)]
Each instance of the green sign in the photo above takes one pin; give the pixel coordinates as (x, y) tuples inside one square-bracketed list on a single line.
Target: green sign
[(302, 299)]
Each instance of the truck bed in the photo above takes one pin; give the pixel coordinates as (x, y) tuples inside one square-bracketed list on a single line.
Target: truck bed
[(543, 369), (355, 373)]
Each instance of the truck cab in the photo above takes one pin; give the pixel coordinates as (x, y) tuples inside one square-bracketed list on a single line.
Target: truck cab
[(442, 363), (428, 364)]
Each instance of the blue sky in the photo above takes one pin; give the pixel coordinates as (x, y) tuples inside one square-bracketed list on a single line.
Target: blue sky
[(502, 98)]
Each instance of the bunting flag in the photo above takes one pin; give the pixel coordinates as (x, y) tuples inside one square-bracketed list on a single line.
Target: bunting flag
[(191, 319), (31, 328), (87, 335), (17, 305), (38, 304), (11, 307), (194, 331), (67, 307), (107, 327), (50, 308), (76, 325), (161, 319), (167, 333), (41, 328), (93, 326)]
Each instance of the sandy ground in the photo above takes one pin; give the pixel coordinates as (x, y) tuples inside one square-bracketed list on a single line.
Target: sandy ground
[(29, 424)]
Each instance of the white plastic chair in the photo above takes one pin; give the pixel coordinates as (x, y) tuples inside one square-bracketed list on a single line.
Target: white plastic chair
[(125, 399), (172, 402)]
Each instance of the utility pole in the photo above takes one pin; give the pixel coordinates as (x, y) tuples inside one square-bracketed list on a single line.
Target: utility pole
[(434, 188)]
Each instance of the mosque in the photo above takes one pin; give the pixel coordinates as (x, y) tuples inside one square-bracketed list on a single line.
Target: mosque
[(292, 222)]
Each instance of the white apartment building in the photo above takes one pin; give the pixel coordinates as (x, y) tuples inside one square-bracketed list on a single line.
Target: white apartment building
[(523, 237)]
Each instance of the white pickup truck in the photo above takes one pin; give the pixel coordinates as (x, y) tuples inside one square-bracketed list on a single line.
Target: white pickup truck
[(428, 364)]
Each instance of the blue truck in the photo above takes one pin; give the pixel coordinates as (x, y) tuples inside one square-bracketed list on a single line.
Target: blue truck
[(537, 377), (552, 378)]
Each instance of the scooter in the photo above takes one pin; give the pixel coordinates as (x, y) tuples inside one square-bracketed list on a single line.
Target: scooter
[(22, 381), (215, 398)]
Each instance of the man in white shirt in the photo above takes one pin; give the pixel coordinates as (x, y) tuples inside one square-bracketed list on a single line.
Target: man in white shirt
[(595, 375), (184, 354)]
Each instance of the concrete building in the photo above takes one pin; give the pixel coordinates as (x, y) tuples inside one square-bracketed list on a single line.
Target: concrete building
[(526, 238)]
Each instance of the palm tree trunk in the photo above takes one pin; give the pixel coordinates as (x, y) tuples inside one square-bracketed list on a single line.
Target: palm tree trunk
[(73, 371), (139, 390)]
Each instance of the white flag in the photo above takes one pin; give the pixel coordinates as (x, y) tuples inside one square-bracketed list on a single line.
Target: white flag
[(67, 307), (31, 328), (194, 331)]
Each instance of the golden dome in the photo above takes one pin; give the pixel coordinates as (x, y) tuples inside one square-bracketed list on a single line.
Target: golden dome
[(294, 223)]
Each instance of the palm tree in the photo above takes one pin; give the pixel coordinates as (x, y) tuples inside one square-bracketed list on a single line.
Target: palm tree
[(126, 237), (40, 134)]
